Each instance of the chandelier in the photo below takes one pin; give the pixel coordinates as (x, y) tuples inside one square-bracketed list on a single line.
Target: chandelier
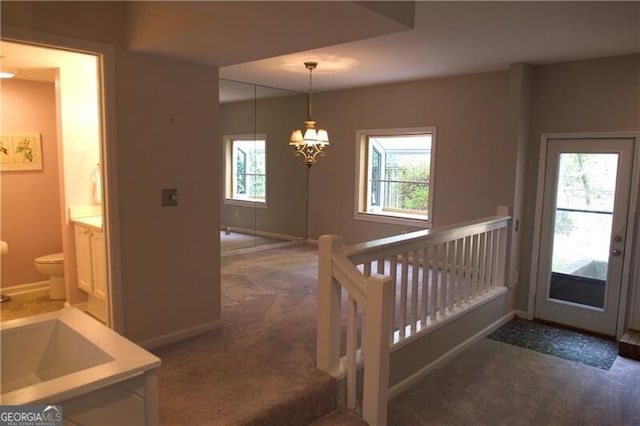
[(310, 142)]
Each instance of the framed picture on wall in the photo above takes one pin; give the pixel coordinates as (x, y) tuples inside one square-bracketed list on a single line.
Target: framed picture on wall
[(20, 151)]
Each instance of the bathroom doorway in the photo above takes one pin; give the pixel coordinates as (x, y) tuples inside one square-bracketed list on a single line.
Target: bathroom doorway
[(66, 232)]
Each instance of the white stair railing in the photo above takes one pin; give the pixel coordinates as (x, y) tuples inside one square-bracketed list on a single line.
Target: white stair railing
[(374, 295), (404, 285)]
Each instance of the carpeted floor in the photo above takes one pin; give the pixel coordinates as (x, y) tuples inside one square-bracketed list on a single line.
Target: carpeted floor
[(260, 368), (563, 343), (494, 383)]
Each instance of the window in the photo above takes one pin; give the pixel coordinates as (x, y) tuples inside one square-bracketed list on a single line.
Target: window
[(394, 179), (246, 171)]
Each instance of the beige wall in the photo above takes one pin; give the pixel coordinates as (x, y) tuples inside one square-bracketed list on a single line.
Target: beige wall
[(30, 200), (167, 133), (286, 174), (473, 158), (164, 128), (600, 95), (102, 21)]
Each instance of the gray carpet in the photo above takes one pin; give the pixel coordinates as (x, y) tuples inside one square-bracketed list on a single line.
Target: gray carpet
[(494, 383), (260, 368)]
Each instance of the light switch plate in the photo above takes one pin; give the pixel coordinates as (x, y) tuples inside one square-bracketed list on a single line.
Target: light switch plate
[(169, 197)]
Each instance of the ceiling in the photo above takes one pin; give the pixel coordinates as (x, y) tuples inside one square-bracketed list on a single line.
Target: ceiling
[(367, 43), (451, 38)]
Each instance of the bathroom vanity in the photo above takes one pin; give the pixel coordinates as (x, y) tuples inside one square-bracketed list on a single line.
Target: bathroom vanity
[(91, 263), (67, 358)]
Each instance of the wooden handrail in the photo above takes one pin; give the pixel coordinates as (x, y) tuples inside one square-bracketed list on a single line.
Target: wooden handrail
[(360, 251)]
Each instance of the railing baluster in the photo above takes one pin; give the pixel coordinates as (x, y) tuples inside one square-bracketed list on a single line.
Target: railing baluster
[(476, 271), (490, 254), (452, 275), (501, 278), (367, 269), (393, 273), (352, 345), (483, 262), (413, 317), (444, 278), (403, 294), (435, 270), (496, 255), (464, 283), (426, 279)]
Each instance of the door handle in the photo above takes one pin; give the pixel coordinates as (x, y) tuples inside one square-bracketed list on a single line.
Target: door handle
[(616, 252)]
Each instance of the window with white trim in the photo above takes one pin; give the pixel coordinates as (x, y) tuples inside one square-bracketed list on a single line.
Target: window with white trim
[(395, 182), (246, 169)]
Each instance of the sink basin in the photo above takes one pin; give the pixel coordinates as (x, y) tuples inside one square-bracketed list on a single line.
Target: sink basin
[(60, 355), (45, 351)]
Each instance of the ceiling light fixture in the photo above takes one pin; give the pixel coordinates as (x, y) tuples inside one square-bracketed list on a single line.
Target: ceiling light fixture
[(7, 74), (310, 142)]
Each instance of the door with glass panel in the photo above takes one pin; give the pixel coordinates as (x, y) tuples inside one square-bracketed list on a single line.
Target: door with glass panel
[(583, 233)]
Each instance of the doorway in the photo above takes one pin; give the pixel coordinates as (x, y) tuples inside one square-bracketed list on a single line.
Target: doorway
[(76, 143), (584, 232)]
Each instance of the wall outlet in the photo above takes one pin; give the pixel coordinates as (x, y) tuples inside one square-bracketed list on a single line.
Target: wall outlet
[(169, 197), (237, 212)]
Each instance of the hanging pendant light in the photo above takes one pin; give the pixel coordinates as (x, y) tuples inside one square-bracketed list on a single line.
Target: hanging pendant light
[(310, 142)]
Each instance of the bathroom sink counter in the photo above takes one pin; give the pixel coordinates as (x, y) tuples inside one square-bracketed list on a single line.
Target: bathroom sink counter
[(64, 357), (94, 222)]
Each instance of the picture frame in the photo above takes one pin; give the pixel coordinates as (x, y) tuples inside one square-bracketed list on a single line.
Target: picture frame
[(20, 151)]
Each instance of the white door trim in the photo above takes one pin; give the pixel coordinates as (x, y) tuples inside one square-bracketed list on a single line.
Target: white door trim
[(631, 264)]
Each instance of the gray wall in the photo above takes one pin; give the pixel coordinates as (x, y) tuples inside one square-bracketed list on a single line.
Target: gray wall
[(473, 156), (167, 133)]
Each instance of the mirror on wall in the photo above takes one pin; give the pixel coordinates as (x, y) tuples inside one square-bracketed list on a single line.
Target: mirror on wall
[(264, 184)]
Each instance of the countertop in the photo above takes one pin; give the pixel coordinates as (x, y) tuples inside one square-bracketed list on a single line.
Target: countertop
[(94, 222)]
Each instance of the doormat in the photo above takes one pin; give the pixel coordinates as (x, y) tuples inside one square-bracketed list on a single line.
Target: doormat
[(562, 343)]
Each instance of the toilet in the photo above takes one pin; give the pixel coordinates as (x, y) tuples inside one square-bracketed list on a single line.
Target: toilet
[(52, 265)]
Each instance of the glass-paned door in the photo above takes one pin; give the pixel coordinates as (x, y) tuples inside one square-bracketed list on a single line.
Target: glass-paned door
[(585, 208)]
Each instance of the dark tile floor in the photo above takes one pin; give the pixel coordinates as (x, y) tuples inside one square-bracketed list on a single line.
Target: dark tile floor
[(567, 344)]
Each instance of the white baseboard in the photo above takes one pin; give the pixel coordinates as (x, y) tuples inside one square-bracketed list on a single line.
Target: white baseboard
[(183, 334), (265, 234), (29, 290), (410, 381), (81, 306), (522, 314), (259, 248)]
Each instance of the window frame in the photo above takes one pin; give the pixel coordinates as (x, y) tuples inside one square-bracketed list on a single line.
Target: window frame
[(228, 170), (363, 174)]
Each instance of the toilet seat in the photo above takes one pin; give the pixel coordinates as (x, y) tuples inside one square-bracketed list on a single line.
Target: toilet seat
[(51, 258)]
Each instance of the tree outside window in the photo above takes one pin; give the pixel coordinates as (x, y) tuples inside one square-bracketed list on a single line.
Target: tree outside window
[(398, 175), (248, 170)]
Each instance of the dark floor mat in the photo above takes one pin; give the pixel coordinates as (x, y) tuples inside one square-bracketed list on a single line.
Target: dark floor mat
[(566, 344)]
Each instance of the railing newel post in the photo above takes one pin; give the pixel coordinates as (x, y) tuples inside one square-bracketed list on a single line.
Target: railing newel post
[(329, 305), (377, 343)]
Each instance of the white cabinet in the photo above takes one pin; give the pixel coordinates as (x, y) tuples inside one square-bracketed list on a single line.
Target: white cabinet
[(91, 261)]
